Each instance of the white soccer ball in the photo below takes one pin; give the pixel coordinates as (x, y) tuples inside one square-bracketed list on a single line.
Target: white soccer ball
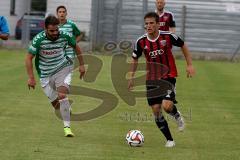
[(135, 138)]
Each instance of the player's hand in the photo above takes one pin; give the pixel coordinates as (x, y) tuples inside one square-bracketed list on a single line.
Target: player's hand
[(190, 71), (31, 83), (130, 84), (81, 71)]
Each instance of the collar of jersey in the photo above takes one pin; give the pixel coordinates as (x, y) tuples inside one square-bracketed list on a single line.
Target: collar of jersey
[(161, 13), (153, 40), (64, 23)]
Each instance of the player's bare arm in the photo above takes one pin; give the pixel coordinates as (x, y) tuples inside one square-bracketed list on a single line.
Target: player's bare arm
[(80, 60), (133, 69), (29, 66), (78, 38), (190, 69)]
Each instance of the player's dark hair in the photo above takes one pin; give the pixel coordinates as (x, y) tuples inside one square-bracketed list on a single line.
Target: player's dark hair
[(152, 15), (51, 20), (59, 7)]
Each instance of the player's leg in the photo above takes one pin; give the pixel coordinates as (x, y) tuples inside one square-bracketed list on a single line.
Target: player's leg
[(171, 109), (154, 98), (169, 106), (57, 101), (162, 124), (49, 89), (56, 104), (65, 109), (62, 86), (68, 80)]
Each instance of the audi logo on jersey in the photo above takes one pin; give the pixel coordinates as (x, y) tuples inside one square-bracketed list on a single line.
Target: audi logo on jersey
[(153, 54)]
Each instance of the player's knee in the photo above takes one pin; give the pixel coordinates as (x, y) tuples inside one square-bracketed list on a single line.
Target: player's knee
[(156, 110), (62, 92), (62, 96), (167, 106)]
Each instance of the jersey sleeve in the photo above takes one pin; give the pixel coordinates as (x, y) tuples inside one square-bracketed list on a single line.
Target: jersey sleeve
[(34, 46), (70, 38), (4, 29), (76, 31), (172, 22), (176, 41), (137, 50)]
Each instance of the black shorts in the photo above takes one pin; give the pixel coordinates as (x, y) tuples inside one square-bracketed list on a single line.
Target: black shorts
[(158, 90)]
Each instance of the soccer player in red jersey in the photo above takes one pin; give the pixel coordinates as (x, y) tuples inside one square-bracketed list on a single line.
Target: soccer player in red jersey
[(166, 18), (156, 45)]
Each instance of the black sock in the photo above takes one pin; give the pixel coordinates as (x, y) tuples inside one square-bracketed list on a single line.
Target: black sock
[(174, 112), (163, 126)]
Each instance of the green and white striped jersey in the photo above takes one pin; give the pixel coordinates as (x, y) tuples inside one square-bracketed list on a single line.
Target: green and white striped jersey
[(50, 55), (73, 30)]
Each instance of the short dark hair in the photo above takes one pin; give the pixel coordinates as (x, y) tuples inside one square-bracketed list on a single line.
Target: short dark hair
[(152, 15), (51, 20), (59, 7)]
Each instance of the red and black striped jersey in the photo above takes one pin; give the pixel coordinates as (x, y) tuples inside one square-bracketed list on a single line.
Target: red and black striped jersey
[(166, 20), (160, 62)]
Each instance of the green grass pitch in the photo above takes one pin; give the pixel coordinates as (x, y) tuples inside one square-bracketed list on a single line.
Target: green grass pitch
[(209, 102)]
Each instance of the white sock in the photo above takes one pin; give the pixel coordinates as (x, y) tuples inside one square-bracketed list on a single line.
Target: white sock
[(65, 111)]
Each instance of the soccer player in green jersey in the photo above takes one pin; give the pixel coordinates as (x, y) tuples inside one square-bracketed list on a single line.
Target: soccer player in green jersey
[(68, 26), (53, 66)]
